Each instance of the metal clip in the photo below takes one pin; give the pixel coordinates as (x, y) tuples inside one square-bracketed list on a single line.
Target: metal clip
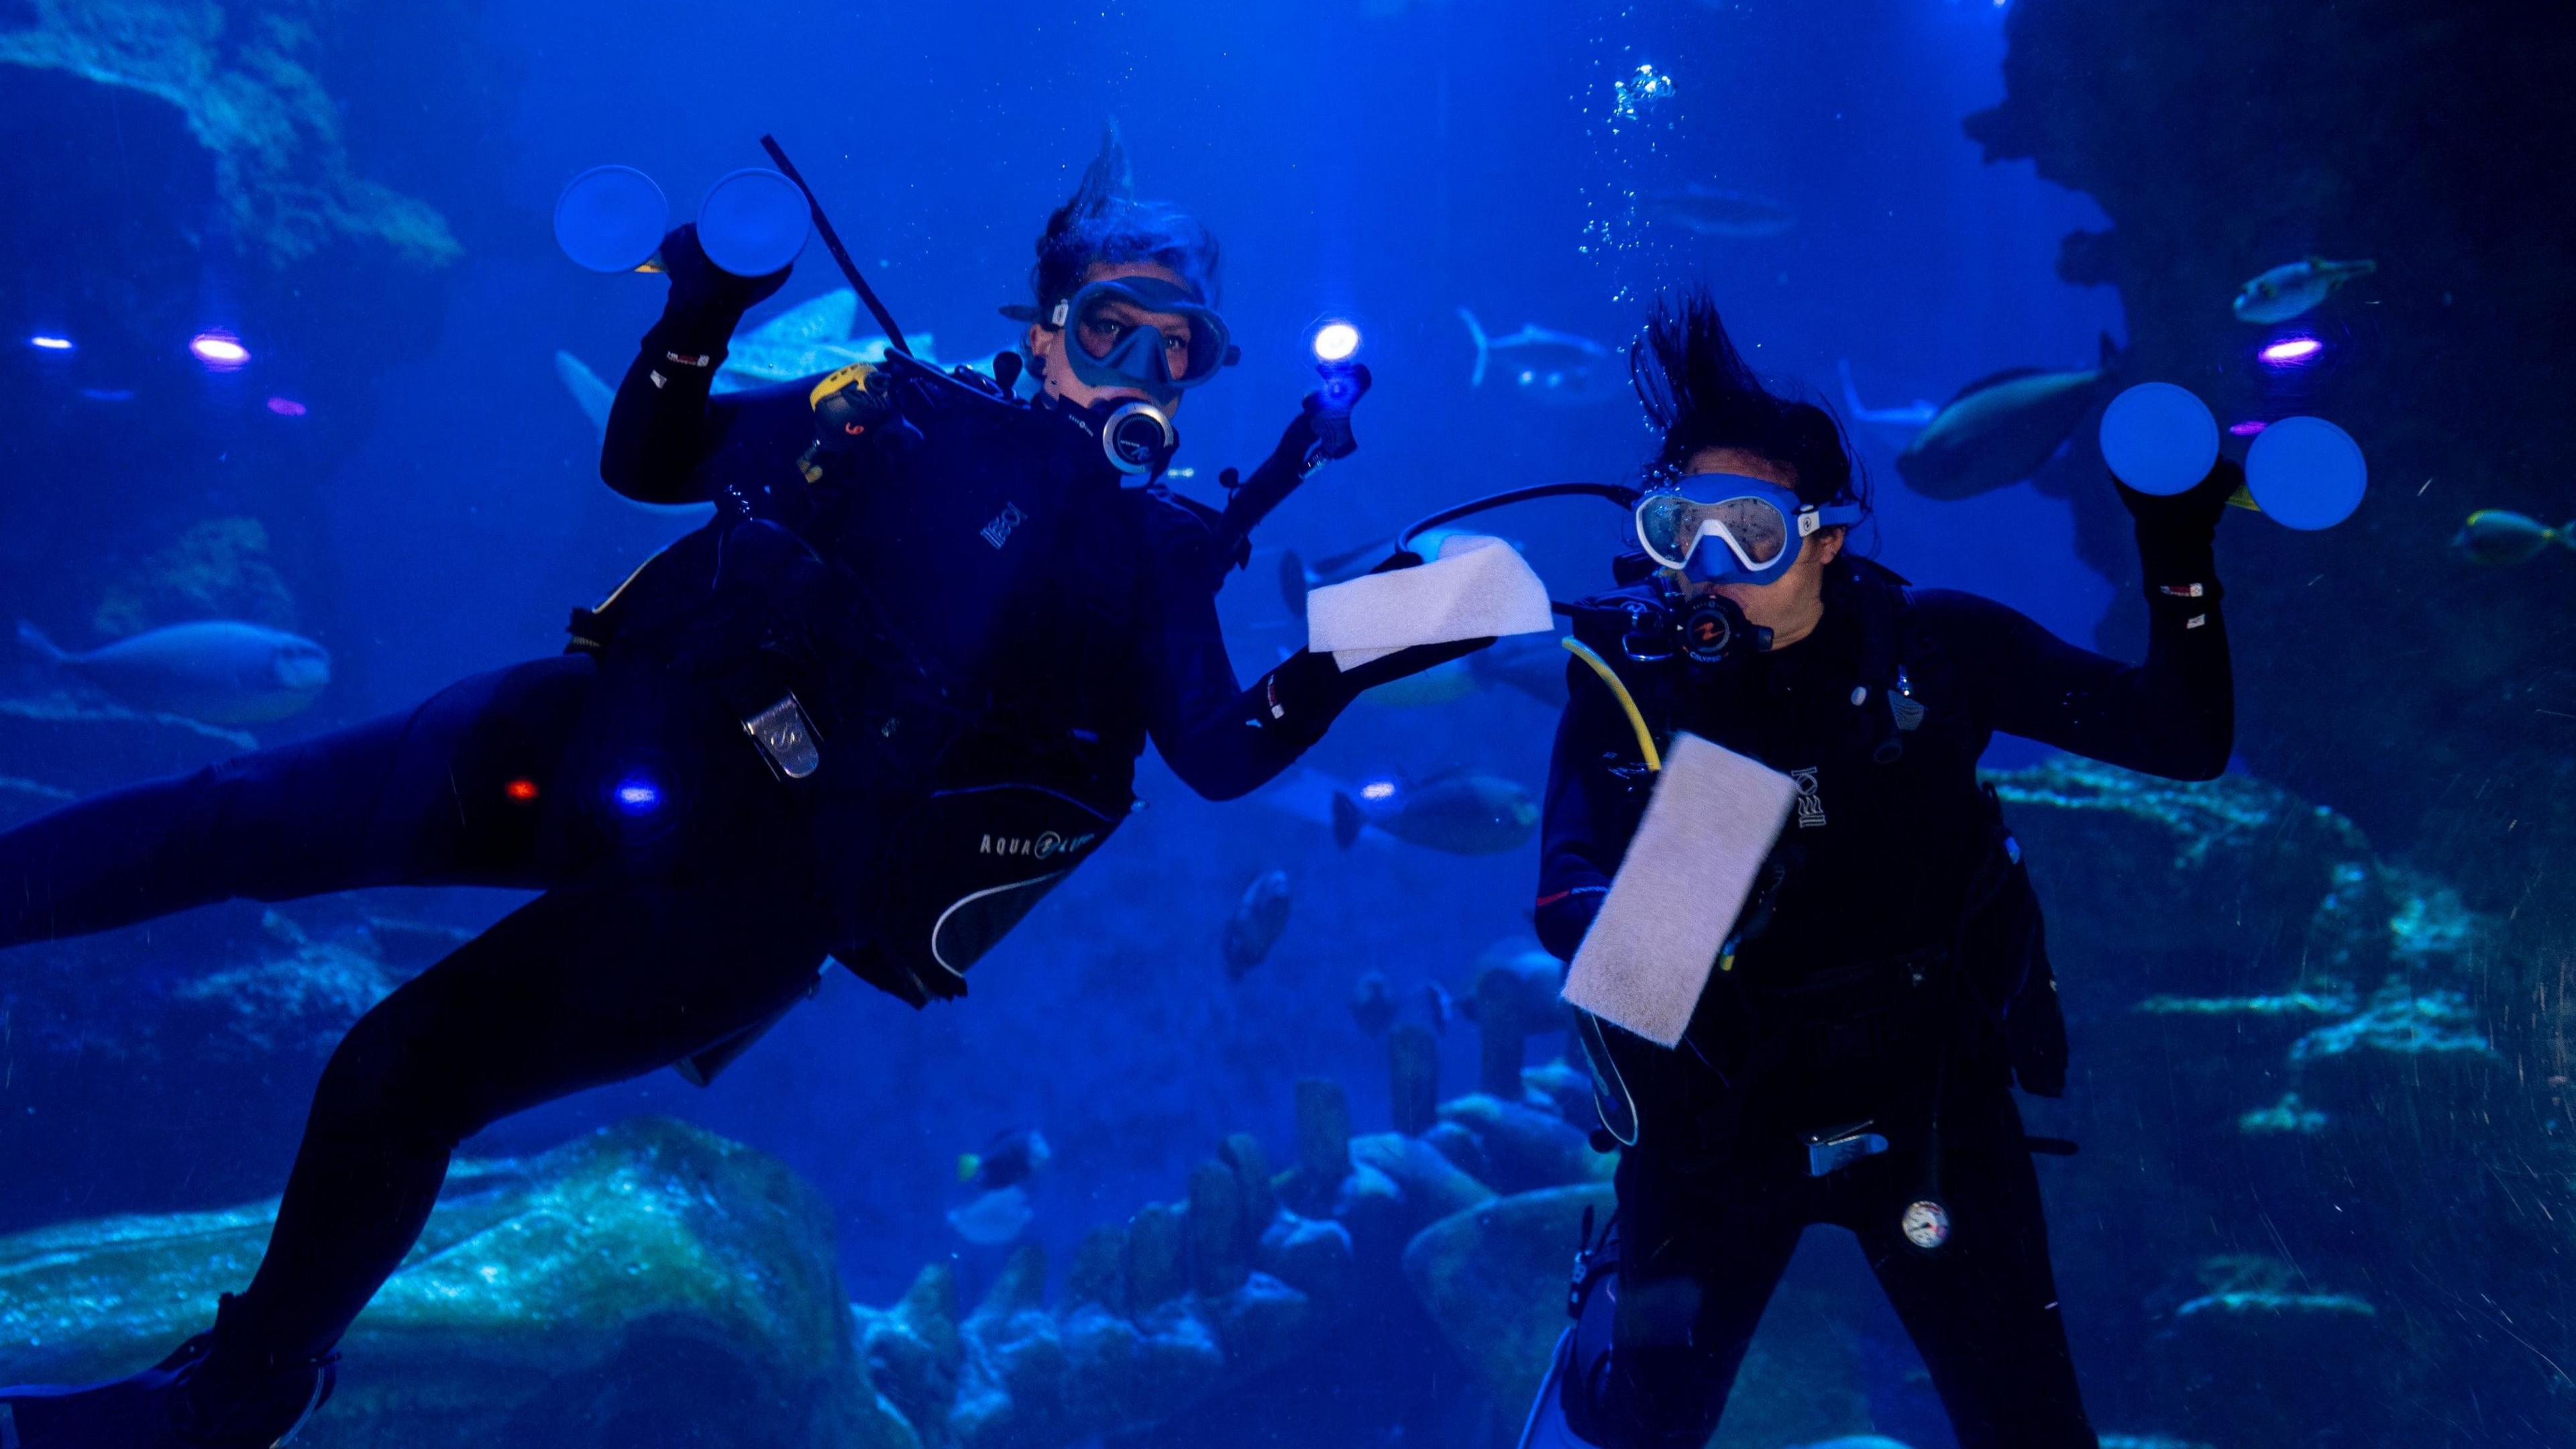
[(787, 738)]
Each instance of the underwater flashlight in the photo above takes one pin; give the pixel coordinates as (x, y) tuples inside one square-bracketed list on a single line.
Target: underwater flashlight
[(1336, 341), (2291, 352), (219, 351), (47, 342)]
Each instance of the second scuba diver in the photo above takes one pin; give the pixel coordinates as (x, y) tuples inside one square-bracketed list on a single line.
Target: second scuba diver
[(891, 694), (1852, 1058)]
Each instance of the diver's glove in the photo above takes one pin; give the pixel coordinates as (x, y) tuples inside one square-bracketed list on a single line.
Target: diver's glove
[(2176, 531), (1308, 691), (706, 300)]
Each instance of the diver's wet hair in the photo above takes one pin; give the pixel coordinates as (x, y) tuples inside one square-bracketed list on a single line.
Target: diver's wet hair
[(1104, 222), (1700, 393)]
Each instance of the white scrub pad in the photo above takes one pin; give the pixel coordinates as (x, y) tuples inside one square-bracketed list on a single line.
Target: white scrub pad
[(1711, 822), (1478, 588)]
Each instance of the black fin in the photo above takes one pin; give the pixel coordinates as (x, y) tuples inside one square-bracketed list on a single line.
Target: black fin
[(1294, 581), (1347, 820)]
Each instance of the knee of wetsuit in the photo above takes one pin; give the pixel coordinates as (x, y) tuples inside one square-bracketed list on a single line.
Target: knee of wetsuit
[(385, 1085)]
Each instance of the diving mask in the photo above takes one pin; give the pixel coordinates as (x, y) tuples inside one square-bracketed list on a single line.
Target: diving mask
[(1725, 528), (1111, 341)]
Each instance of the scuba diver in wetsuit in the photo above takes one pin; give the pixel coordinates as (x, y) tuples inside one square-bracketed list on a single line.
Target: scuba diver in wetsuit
[(892, 692), (1852, 1057)]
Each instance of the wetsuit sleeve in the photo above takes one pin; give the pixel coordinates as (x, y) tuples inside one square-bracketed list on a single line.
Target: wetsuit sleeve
[(1589, 820), (666, 430), (1222, 739), (2174, 715)]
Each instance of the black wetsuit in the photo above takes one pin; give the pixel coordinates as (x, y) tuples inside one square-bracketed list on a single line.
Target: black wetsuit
[(689, 893), (1865, 988)]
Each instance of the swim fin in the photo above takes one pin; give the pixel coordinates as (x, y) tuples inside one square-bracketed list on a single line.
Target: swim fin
[(200, 1397)]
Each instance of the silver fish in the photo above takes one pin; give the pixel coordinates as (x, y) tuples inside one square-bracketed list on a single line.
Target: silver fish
[(1259, 919), (1454, 811), (2002, 429), (214, 671), (810, 338), (1716, 211), (1560, 369), (817, 335), (2294, 289)]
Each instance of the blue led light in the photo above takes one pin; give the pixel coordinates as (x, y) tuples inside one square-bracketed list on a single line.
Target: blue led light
[(1335, 341), (639, 796), (47, 342)]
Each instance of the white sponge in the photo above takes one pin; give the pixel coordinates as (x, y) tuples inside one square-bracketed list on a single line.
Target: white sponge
[(1479, 588), (1711, 822)]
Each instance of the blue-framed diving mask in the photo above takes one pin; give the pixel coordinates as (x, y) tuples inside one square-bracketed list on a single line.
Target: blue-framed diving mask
[(1725, 528), (1109, 344)]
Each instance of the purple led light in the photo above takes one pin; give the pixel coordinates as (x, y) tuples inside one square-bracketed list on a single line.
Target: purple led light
[(2291, 352), (2248, 428), (286, 407), (220, 351)]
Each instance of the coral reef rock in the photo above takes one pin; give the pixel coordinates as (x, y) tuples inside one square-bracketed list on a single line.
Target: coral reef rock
[(645, 1284), (242, 76)]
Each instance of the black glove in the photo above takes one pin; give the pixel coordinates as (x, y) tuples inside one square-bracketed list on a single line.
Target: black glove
[(2175, 531), (1405, 662), (706, 300)]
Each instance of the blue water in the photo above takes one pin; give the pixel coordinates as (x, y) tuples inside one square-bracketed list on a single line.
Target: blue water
[(1383, 163)]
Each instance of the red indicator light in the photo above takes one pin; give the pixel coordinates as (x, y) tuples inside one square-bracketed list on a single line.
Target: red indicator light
[(521, 790)]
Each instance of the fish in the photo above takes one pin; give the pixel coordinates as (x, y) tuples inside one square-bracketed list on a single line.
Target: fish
[(1441, 1007), (1912, 415), (2002, 429), (213, 671), (1440, 684), (2500, 539), (1716, 211), (1454, 811), (1010, 1159), (589, 393), (812, 337), (2295, 288), (1559, 369), (1259, 919), (1372, 1003), (817, 335), (1534, 664), (993, 1218)]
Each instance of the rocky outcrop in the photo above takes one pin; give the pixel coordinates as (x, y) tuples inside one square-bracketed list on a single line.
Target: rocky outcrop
[(205, 1034), (242, 77), (645, 1284), (2304, 1151)]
